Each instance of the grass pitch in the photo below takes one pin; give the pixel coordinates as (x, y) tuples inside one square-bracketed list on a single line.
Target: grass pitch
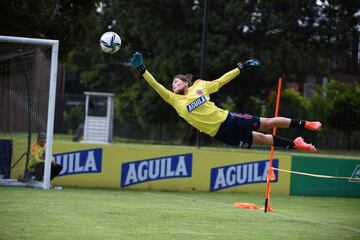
[(72, 213)]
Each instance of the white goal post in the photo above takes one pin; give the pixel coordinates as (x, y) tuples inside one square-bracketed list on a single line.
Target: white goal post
[(54, 44)]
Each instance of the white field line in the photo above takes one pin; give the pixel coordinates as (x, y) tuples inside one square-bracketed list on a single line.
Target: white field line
[(318, 222), (357, 230)]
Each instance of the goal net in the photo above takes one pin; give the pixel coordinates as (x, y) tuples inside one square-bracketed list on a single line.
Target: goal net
[(26, 103)]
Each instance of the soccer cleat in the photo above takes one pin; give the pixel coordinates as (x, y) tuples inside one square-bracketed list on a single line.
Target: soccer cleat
[(302, 145), (313, 126)]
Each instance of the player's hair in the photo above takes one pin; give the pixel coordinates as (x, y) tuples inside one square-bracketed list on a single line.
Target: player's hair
[(41, 134), (185, 78)]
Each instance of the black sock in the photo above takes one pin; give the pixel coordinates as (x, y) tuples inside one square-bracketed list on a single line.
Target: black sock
[(283, 142), (297, 123)]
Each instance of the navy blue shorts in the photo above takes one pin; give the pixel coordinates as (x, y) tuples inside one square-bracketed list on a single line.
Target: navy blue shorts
[(237, 129)]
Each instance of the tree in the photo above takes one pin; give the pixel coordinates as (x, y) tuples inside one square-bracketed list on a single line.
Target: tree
[(344, 112), (67, 20), (292, 105)]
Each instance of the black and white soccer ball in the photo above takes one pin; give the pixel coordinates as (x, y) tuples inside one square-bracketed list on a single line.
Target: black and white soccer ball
[(110, 42)]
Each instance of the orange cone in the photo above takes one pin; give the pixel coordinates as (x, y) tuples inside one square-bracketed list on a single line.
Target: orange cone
[(245, 205)]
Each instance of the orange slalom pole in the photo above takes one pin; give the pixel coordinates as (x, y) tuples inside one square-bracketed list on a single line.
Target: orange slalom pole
[(271, 175)]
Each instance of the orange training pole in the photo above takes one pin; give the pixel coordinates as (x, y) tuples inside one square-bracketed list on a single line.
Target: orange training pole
[(271, 175)]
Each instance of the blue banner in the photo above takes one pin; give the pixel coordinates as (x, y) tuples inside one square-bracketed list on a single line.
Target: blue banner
[(85, 161), (240, 174), (176, 166)]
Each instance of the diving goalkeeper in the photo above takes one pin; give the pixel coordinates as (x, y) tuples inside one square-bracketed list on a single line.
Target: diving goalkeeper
[(192, 102)]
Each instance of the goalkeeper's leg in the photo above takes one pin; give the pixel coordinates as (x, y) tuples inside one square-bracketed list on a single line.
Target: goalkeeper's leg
[(274, 140), (282, 122)]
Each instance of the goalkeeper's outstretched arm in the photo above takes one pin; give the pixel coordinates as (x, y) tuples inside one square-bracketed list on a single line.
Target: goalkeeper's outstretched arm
[(138, 62), (227, 77), (160, 89)]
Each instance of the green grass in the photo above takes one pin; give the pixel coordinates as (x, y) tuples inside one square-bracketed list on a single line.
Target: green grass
[(72, 213)]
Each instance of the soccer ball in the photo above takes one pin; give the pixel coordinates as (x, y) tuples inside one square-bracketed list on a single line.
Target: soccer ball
[(110, 42)]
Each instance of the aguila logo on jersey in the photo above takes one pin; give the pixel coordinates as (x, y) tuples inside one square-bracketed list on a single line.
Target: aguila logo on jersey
[(177, 166), (240, 174), (86, 161), (198, 102)]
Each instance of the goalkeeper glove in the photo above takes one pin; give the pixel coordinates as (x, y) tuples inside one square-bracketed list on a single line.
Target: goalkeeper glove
[(249, 64), (138, 62)]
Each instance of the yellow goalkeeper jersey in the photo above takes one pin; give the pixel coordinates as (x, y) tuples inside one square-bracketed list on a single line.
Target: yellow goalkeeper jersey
[(196, 107), (37, 154)]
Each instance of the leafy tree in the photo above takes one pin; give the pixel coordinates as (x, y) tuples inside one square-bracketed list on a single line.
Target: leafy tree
[(73, 118), (67, 20), (253, 106), (344, 111), (319, 109), (292, 105)]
